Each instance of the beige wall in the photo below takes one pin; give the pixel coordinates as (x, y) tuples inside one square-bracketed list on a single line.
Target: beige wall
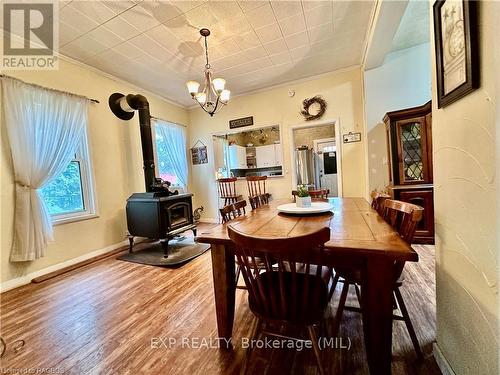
[(116, 156), (343, 93), (466, 195)]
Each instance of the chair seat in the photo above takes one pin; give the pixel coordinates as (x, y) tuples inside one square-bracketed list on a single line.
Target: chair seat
[(289, 306)]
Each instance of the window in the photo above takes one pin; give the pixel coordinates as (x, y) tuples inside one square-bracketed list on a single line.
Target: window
[(70, 196), (170, 153)]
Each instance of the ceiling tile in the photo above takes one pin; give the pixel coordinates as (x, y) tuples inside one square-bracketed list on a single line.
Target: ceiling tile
[(162, 35), (161, 11), (275, 47), (146, 44), (198, 17), (261, 16), (223, 10), (67, 33), (281, 58), (297, 40), (122, 28), (255, 53), (299, 53), (118, 6), (284, 9), (319, 15), (293, 25), (247, 5), (128, 49), (247, 40), (269, 33), (94, 10), (310, 4), (320, 32), (185, 6), (140, 17), (105, 36), (77, 19)]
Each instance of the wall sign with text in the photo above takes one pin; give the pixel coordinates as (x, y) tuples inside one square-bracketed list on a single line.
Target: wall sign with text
[(241, 122), (351, 137)]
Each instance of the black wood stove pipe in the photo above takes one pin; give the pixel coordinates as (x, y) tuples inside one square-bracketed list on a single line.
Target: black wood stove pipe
[(124, 107)]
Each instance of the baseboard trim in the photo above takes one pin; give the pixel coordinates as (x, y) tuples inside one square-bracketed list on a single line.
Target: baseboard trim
[(441, 360), (51, 270)]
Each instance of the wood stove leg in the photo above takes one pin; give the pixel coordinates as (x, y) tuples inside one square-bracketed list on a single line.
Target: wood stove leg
[(131, 243), (164, 246), (194, 231)]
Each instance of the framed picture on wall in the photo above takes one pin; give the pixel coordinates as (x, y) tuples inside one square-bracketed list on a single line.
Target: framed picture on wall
[(457, 49), (199, 153)]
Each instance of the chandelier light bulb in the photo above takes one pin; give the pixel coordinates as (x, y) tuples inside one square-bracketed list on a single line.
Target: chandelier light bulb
[(201, 97), (219, 84), (193, 87), (225, 95)]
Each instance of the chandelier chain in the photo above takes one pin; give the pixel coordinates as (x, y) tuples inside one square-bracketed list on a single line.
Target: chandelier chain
[(207, 65)]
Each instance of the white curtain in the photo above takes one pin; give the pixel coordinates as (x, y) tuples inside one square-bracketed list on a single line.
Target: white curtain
[(174, 137), (44, 128)]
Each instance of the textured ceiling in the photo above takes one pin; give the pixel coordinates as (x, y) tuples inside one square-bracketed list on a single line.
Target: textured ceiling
[(254, 44), (414, 27)]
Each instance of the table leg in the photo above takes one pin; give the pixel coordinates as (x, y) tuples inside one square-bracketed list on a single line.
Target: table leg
[(224, 288), (376, 295)]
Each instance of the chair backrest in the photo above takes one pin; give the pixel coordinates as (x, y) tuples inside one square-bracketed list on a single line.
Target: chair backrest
[(378, 200), (315, 194), (232, 211), (258, 200), (279, 291), (403, 217), (227, 187), (256, 185)]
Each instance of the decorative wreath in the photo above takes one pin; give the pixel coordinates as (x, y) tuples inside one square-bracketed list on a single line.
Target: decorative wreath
[(307, 103)]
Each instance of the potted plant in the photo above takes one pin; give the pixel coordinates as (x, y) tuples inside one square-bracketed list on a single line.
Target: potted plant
[(303, 197)]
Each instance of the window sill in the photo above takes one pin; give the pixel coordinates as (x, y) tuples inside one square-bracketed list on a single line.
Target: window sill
[(74, 219)]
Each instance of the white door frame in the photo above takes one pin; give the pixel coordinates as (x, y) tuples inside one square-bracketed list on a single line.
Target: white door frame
[(338, 144)]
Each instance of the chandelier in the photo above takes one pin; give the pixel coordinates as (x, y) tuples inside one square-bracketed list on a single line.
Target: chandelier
[(213, 96)]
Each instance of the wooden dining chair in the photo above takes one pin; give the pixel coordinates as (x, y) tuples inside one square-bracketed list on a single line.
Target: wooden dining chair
[(257, 201), (378, 200), (282, 295), (228, 213), (321, 194), (232, 211), (404, 218), (227, 190)]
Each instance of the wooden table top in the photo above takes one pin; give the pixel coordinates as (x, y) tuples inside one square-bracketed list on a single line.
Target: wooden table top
[(354, 227)]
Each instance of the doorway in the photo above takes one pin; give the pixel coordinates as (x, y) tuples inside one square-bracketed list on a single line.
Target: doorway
[(326, 151), (318, 140)]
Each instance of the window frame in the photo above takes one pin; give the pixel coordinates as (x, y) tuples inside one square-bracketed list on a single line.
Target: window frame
[(82, 156)]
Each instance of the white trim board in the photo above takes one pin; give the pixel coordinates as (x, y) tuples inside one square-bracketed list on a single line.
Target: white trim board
[(441, 360), (26, 279)]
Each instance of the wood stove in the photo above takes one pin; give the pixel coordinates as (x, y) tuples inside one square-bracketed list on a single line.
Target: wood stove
[(159, 213)]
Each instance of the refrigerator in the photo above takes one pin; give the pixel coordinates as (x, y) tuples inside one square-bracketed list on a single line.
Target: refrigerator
[(307, 167)]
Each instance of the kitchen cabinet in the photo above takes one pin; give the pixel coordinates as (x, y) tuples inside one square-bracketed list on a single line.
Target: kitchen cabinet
[(237, 157), (268, 156)]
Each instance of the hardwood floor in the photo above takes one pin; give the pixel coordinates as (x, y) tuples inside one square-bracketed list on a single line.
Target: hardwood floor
[(115, 317)]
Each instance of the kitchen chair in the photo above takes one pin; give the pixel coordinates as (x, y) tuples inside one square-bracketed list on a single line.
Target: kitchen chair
[(378, 201), (282, 295), (257, 201), (227, 190), (315, 194), (257, 187), (403, 217), (230, 212)]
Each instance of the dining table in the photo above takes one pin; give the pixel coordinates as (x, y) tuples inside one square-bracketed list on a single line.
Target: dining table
[(359, 239)]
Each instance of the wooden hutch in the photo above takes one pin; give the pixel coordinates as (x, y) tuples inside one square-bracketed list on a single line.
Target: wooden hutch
[(409, 137)]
